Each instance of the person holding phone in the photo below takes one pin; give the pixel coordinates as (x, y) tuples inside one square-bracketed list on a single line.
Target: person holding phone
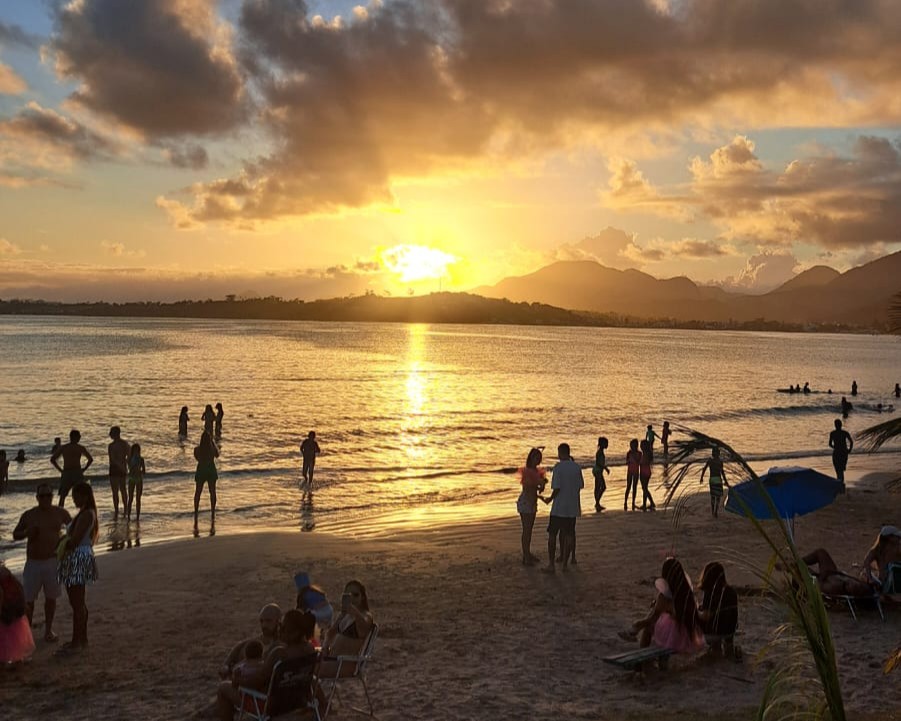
[(349, 632)]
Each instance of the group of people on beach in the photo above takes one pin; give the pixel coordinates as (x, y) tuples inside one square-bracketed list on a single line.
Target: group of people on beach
[(212, 420), (343, 633), (59, 554)]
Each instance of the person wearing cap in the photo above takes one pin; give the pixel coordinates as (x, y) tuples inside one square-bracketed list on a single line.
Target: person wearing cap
[(40, 526), (270, 620)]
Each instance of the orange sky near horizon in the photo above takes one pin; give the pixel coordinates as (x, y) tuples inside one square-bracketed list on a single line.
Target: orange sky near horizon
[(193, 148)]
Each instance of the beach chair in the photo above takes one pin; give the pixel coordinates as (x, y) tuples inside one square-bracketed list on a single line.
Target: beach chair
[(637, 659), (851, 602), (291, 687), (361, 662)]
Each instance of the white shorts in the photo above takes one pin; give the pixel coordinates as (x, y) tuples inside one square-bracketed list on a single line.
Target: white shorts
[(38, 575)]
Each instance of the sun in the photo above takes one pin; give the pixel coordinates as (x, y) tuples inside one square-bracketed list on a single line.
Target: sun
[(416, 262)]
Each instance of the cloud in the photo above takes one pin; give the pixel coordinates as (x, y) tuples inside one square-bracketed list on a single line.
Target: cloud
[(36, 126), (10, 82), (693, 248), (189, 156), (118, 250), (163, 67), (406, 88), (15, 35), (7, 248), (828, 200), (763, 272), (611, 247)]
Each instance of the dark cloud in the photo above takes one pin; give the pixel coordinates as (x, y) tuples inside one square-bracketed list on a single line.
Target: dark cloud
[(691, 248), (191, 156), (162, 67), (15, 35), (41, 128)]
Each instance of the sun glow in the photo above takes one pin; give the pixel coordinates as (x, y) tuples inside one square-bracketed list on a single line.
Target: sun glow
[(416, 262)]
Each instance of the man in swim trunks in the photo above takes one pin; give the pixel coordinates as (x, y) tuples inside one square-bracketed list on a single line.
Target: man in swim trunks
[(309, 449), (71, 470), (118, 467), (841, 443), (717, 476), (41, 526)]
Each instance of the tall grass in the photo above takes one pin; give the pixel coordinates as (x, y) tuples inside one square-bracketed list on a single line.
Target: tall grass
[(805, 684)]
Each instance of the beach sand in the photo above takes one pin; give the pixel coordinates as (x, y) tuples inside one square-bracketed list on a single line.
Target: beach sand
[(466, 630)]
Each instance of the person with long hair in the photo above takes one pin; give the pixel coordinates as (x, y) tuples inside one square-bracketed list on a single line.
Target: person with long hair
[(644, 475), (136, 471), (16, 641), (718, 611), (673, 621), (209, 418), (183, 422), (217, 421), (77, 567), (532, 479), (349, 632), (206, 454)]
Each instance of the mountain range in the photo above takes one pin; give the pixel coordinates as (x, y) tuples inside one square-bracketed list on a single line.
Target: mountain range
[(859, 297)]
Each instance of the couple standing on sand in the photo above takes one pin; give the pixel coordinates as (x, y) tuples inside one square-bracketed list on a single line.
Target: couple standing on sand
[(566, 505)]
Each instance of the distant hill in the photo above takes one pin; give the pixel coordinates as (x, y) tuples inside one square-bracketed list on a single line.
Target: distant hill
[(816, 276), (860, 297)]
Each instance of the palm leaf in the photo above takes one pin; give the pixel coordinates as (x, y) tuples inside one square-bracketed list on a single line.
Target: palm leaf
[(875, 437), (893, 661), (806, 684)]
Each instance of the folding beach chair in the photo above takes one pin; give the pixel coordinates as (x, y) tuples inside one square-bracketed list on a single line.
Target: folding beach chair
[(291, 687), (851, 602), (637, 659), (360, 663)]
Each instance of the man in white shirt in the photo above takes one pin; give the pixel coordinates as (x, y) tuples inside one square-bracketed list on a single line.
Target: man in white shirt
[(566, 486)]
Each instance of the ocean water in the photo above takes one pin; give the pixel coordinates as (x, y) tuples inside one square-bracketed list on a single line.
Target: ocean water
[(409, 417)]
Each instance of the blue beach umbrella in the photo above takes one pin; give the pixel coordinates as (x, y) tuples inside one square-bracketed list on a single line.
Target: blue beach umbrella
[(794, 491)]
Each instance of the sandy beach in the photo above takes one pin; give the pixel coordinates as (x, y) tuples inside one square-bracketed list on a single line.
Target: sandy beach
[(466, 630)]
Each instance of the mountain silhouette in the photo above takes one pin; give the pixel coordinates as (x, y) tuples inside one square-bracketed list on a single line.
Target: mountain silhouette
[(859, 297)]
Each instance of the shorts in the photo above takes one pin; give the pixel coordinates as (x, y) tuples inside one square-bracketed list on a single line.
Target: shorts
[(840, 461), (70, 478), (206, 473), (562, 525), (117, 479), (716, 486), (38, 575)]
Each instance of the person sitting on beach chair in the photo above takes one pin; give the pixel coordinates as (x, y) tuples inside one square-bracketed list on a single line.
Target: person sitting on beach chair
[(270, 619), (672, 622), (718, 611), (348, 633), (882, 556), (833, 582)]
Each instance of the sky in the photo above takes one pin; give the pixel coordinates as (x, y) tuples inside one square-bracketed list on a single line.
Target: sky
[(170, 149)]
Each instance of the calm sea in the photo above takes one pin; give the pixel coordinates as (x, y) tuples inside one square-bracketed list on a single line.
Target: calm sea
[(409, 417)]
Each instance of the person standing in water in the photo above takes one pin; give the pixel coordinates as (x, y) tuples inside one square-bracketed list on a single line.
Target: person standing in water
[(71, 472), (4, 472), (716, 479), (218, 420), (183, 422), (897, 390), (532, 479), (598, 471), (841, 443), (118, 467), (853, 388), (649, 436), (208, 418), (206, 454), (633, 459), (309, 449), (664, 438), (136, 471)]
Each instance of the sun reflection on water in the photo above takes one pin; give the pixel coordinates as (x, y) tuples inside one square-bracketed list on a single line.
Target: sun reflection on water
[(416, 394)]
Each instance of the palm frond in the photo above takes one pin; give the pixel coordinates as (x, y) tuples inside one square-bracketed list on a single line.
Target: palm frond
[(893, 661), (806, 684), (875, 437)]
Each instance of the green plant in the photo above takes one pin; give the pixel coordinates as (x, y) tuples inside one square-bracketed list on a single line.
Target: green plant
[(806, 682)]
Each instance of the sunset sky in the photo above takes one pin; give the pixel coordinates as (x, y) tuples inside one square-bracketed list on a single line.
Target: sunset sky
[(171, 149)]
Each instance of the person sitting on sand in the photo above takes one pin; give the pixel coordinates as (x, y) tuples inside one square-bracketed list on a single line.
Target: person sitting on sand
[(532, 479), (718, 611), (270, 621), (16, 641), (673, 621), (349, 631), (295, 641)]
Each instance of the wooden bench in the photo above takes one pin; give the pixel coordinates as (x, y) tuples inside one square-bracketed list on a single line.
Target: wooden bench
[(636, 660)]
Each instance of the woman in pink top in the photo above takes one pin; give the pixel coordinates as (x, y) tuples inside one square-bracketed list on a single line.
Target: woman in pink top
[(644, 474), (633, 460), (532, 479)]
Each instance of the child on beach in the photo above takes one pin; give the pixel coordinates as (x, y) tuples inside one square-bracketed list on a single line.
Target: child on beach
[(532, 479), (4, 472), (136, 471), (633, 459), (245, 673), (718, 611), (598, 471), (717, 476), (644, 475)]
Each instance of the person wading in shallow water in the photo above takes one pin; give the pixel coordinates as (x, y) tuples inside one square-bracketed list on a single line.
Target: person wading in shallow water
[(309, 449), (71, 471)]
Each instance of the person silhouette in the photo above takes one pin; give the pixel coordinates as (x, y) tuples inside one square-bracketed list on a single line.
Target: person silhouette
[(853, 388), (841, 443)]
